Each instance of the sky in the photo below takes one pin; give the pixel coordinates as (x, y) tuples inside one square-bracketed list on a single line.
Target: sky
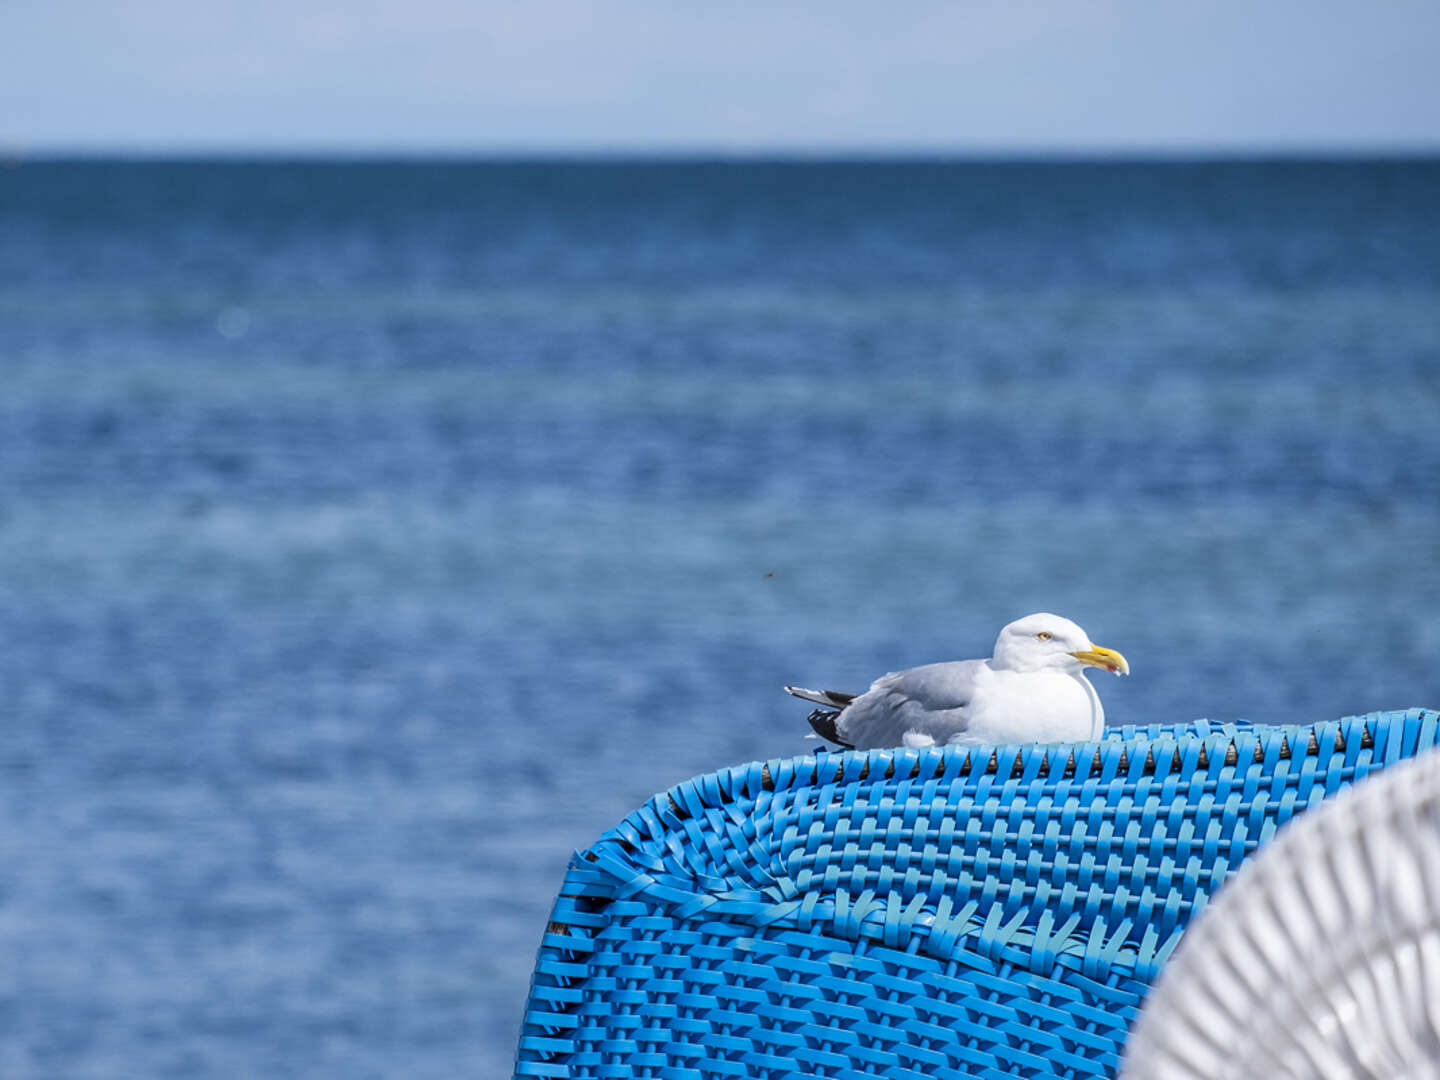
[(739, 76)]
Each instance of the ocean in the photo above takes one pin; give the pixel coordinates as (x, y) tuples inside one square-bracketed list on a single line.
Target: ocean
[(374, 534)]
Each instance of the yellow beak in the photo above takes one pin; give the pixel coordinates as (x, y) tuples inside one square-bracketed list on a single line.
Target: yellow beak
[(1108, 659)]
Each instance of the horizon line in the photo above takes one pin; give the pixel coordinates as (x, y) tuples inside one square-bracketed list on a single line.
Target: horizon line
[(16, 151)]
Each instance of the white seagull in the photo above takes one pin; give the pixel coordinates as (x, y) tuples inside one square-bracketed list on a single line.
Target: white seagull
[(1032, 690)]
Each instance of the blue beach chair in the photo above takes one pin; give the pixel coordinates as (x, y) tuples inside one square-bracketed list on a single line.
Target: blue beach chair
[(947, 912)]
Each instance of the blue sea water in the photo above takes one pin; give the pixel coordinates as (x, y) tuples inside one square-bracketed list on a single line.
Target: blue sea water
[(374, 534)]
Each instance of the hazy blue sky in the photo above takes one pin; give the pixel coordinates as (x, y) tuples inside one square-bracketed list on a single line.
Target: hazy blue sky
[(644, 74)]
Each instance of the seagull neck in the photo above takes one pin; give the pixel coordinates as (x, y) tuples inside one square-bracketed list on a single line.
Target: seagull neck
[(1026, 665), (1018, 662)]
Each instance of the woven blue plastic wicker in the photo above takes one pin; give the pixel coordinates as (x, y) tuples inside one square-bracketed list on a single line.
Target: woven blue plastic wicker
[(977, 912)]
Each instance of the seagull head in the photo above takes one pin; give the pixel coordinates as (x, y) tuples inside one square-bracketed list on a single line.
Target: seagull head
[(1048, 642)]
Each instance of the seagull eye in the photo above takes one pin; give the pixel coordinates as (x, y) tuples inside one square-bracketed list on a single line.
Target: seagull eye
[(1044, 635)]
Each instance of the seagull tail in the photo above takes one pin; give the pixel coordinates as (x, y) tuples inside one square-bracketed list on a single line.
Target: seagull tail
[(832, 698)]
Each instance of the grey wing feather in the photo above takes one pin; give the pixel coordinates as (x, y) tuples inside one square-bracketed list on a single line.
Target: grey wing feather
[(831, 698), (931, 702)]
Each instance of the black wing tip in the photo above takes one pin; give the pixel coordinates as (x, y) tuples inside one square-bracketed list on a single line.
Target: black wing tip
[(823, 721)]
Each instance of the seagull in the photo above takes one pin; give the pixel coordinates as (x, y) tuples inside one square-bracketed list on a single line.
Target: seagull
[(1032, 690)]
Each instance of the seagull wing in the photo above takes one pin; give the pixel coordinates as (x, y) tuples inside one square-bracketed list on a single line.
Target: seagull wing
[(920, 706)]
